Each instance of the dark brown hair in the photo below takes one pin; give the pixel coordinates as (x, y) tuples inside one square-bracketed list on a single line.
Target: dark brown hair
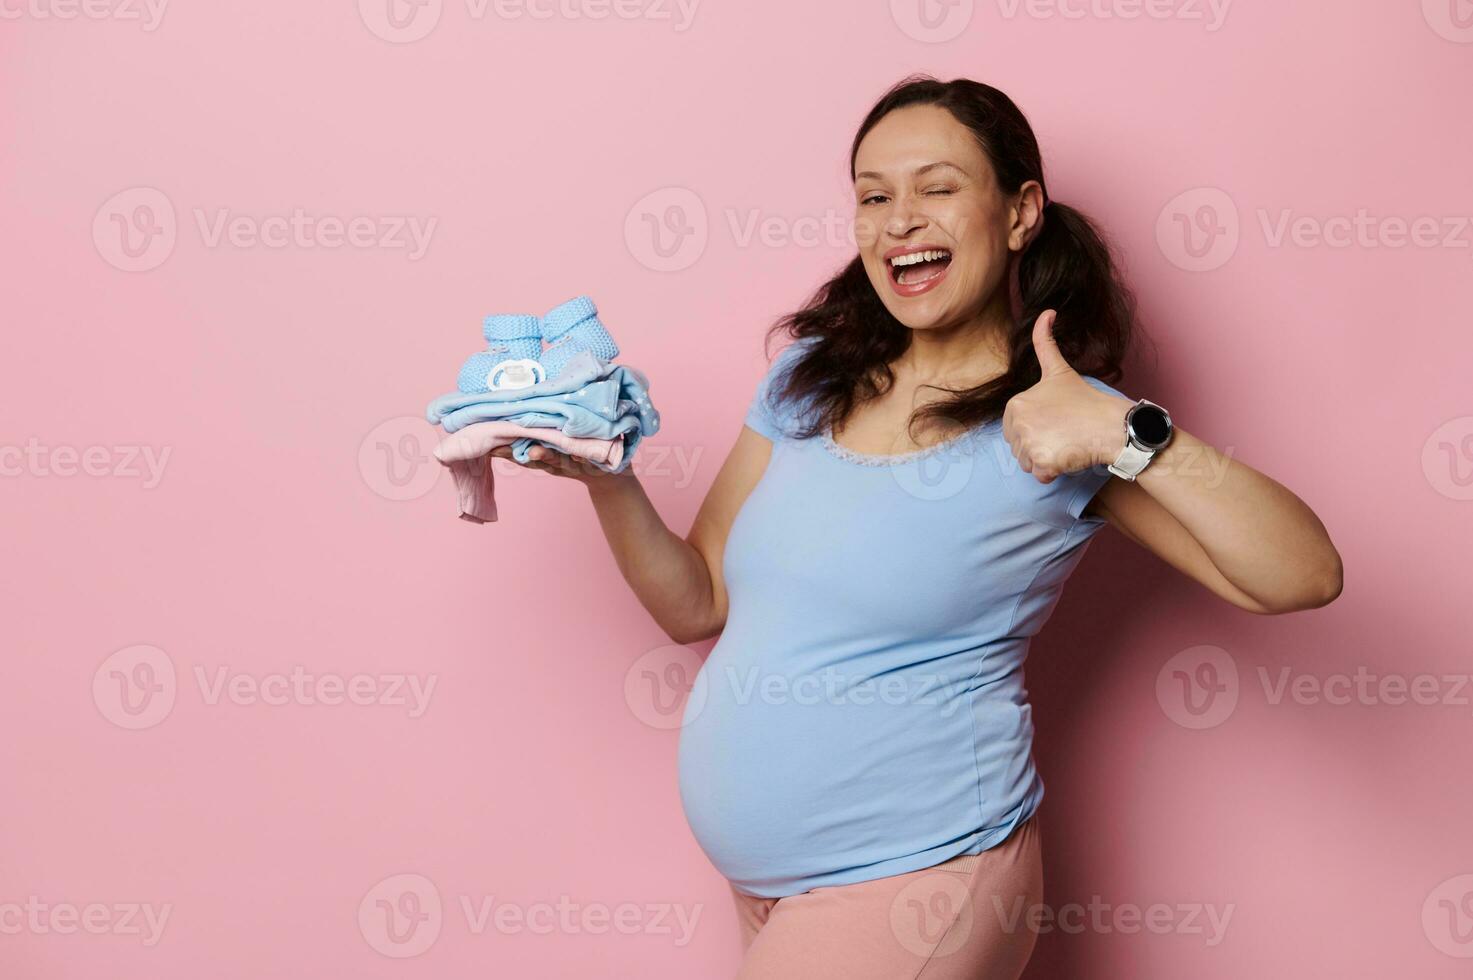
[(851, 337)]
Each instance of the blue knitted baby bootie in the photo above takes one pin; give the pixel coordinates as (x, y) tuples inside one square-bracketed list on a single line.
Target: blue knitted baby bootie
[(572, 327), (510, 359)]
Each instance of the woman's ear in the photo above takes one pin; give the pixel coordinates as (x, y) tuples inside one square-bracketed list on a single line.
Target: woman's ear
[(1026, 215)]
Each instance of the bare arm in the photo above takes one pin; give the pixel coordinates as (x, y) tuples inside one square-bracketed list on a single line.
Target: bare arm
[(678, 580), (1240, 533), (1219, 521)]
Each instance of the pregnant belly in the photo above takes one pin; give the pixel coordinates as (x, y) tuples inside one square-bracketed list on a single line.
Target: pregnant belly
[(788, 774)]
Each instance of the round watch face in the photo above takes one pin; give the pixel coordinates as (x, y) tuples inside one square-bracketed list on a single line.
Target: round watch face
[(1150, 425)]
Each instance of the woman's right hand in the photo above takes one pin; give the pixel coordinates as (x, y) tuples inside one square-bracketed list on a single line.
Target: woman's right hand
[(558, 464)]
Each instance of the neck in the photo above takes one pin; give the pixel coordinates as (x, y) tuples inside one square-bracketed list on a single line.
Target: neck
[(961, 355)]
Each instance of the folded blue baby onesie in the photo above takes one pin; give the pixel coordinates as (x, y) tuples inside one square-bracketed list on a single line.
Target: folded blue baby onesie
[(581, 369), (590, 398)]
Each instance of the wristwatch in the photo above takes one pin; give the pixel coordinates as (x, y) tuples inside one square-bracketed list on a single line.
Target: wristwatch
[(1148, 430)]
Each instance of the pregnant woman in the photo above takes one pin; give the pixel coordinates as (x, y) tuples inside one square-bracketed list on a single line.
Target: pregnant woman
[(919, 473)]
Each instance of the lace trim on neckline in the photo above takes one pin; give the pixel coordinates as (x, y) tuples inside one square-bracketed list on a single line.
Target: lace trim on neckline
[(891, 459)]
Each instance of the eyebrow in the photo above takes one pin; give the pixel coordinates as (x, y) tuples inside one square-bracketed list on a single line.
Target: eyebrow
[(918, 171)]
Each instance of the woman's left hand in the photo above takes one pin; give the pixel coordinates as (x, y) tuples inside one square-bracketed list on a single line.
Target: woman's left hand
[(1062, 424)]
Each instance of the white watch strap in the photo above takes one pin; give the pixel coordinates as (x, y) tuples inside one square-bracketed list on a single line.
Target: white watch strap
[(1131, 461)]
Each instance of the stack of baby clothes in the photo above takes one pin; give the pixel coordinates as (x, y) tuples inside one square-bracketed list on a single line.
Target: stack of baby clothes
[(568, 396)]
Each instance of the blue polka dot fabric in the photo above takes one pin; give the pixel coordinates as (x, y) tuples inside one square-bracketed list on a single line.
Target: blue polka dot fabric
[(554, 371)]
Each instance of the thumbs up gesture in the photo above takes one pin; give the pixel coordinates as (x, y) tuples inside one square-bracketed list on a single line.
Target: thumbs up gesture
[(1062, 424)]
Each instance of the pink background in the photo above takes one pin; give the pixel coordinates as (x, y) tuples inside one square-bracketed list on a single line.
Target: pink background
[(282, 382)]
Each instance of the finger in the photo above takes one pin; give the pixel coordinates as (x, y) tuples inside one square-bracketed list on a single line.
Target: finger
[(1050, 360), (1021, 451)]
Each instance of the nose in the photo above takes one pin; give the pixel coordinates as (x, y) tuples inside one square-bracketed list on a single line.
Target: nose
[(903, 217)]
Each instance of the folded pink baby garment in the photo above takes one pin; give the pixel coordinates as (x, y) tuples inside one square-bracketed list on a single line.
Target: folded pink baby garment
[(465, 453)]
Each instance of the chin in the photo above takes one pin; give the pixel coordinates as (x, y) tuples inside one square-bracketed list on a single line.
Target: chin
[(929, 312)]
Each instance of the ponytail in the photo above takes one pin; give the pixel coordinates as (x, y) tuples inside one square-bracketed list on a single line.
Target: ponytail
[(1069, 268)]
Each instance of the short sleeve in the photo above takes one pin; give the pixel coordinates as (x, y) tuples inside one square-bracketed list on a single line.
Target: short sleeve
[(765, 416), (1061, 502), (1080, 487)]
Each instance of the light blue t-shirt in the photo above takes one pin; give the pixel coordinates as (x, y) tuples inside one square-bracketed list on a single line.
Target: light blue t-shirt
[(863, 713)]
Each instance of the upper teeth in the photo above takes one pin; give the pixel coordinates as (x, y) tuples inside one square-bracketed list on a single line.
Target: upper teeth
[(911, 258)]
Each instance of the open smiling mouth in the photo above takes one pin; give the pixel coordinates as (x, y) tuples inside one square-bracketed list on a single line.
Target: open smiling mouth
[(916, 272)]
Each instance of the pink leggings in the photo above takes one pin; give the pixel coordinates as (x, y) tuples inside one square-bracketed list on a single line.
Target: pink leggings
[(964, 918)]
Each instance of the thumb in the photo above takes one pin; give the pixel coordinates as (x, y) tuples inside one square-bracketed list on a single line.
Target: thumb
[(1050, 360)]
